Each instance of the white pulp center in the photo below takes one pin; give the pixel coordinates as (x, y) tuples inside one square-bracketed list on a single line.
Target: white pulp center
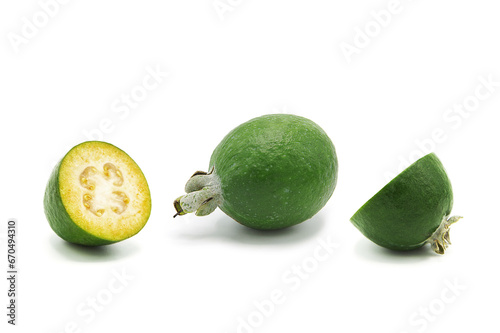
[(103, 190)]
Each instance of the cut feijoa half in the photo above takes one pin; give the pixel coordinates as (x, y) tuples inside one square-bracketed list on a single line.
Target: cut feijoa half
[(97, 195), (271, 172), (411, 210)]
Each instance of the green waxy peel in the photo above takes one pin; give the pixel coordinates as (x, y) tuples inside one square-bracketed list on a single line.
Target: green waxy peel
[(271, 172), (411, 210)]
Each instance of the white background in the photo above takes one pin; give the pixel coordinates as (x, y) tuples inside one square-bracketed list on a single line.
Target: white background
[(194, 274)]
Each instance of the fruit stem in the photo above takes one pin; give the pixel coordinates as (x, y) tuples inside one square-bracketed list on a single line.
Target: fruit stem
[(203, 194), (440, 239)]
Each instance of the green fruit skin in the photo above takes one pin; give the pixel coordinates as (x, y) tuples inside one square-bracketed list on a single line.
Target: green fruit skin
[(407, 211), (58, 217), (275, 171)]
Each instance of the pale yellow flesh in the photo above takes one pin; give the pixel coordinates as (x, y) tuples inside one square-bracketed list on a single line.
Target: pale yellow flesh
[(104, 191)]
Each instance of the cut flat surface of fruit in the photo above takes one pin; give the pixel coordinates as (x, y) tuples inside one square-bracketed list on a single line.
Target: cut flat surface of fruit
[(97, 195)]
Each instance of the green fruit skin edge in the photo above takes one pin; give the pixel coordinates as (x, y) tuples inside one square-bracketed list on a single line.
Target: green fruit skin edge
[(257, 201), (59, 219), (400, 218)]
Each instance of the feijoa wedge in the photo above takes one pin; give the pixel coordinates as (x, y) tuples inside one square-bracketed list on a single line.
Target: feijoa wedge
[(97, 195), (411, 210)]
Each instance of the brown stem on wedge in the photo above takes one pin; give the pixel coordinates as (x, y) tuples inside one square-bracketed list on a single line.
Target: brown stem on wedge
[(440, 239)]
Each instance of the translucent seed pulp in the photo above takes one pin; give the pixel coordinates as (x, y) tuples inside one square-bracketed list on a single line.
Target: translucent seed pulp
[(104, 190)]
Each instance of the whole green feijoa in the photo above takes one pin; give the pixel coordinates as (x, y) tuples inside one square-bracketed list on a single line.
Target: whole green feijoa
[(271, 172), (411, 210)]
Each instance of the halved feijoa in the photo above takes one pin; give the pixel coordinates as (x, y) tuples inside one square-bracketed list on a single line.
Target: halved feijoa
[(97, 195), (412, 210)]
